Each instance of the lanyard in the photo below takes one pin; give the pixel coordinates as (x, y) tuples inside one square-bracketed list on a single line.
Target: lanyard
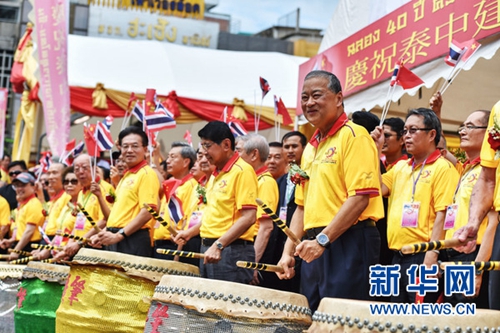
[(415, 181), (462, 179)]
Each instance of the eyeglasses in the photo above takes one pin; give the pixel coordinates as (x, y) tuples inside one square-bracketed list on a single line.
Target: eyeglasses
[(470, 127), (73, 182), (207, 145), (414, 130), (15, 173)]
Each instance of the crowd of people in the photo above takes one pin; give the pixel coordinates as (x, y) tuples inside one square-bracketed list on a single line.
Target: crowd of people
[(356, 193)]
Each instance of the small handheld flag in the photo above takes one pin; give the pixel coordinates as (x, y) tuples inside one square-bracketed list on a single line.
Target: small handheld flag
[(264, 86)]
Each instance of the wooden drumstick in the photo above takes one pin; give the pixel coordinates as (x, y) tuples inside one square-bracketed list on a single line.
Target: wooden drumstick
[(429, 246), (48, 261), (160, 219), (260, 267), (47, 247), (23, 253), (89, 218), (279, 222), (4, 256), (21, 261), (480, 265), (184, 254), (77, 238)]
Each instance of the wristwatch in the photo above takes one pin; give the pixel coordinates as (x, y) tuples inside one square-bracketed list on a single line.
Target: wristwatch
[(122, 232), (323, 240), (219, 245)]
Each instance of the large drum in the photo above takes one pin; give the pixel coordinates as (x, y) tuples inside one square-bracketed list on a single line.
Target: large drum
[(39, 297), (10, 276), (182, 304), (336, 315), (110, 291)]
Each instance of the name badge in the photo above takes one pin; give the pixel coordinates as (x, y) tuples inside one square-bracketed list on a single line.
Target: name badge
[(195, 218), (283, 211), (80, 221), (410, 214), (57, 240), (451, 214)]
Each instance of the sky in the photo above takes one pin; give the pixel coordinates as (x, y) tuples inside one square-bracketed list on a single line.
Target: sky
[(253, 16)]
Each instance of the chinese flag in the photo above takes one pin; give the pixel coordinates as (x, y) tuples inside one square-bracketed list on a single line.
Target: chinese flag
[(188, 137), (169, 187), (90, 141), (150, 99), (407, 79), (279, 108), (472, 45)]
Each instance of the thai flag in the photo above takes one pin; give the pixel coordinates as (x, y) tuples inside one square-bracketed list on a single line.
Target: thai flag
[(188, 137), (264, 86), (103, 137), (78, 149), (456, 52), (394, 77), (45, 161), (175, 209), (160, 119), (108, 121), (138, 112), (237, 128)]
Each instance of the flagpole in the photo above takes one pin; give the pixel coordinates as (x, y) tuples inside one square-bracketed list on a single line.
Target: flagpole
[(459, 70), (296, 123), (390, 94), (258, 117), (255, 109)]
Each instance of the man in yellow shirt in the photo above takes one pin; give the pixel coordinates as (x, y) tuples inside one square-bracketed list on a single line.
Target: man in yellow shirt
[(276, 160), (180, 160), (485, 194), (129, 223), (254, 150), (338, 205), (419, 191), (227, 225), (393, 148), (29, 216)]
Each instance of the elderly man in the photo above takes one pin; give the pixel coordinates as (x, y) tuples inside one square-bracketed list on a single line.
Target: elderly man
[(253, 149), (59, 198), (129, 223), (419, 191), (338, 205), (276, 161)]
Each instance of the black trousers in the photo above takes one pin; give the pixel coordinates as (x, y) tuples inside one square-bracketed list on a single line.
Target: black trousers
[(137, 244)]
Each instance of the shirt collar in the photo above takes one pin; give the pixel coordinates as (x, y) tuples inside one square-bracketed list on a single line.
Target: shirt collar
[(475, 161), (138, 167), (261, 171), (339, 123), (228, 166), (433, 157), (57, 196), (401, 158), (186, 178), (21, 203)]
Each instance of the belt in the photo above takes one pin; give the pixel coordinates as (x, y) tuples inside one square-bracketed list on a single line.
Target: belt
[(210, 241), (313, 232)]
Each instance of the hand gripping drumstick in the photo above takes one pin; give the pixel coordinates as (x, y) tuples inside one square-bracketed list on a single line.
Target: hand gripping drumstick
[(23, 253), (480, 265), (160, 219), (89, 218), (47, 247), (260, 267), (184, 254), (429, 246), (278, 221), (77, 238)]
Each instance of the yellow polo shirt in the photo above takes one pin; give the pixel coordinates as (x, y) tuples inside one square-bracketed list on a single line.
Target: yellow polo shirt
[(4, 176), (91, 204), (194, 213), (184, 192), (268, 192), (488, 155), (138, 186), (228, 192), (29, 212), (4, 212), (56, 206), (344, 164), (468, 178), (434, 191), (65, 222)]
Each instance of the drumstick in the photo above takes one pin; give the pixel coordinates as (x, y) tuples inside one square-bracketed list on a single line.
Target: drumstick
[(184, 254), (4, 256), (21, 261), (47, 247), (260, 267), (48, 261), (89, 218), (23, 253), (160, 219), (480, 265), (429, 246), (77, 238), (278, 221)]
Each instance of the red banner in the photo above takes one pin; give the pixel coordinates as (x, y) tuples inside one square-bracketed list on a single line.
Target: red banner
[(419, 31)]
